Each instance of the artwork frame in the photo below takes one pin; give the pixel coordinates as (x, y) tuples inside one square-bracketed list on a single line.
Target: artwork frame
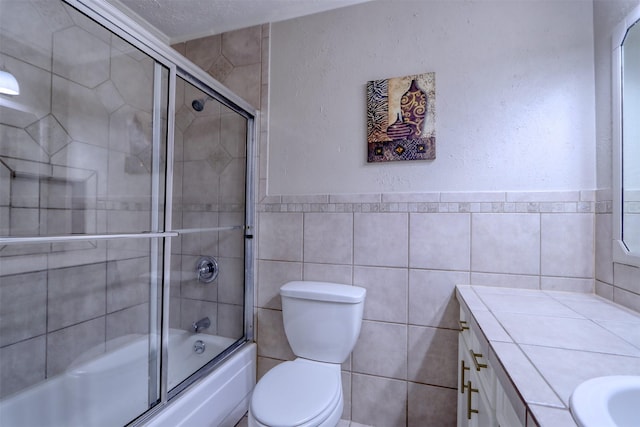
[(401, 118)]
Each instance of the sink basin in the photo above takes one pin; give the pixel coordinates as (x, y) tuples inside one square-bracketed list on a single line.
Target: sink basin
[(610, 401)]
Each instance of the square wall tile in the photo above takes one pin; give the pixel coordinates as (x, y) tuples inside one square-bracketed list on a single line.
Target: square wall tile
[(23, 365), (271, 276), (72, 298), (328, 273), (328, 238), (431, 406), (270, 335), (567, 245), (387, 292), (432, 299), (23, 307), (127, 283), (381, 239), (381, 350), (433, 356), (280, 236), (378, 401), (505, 243), (440, 241)]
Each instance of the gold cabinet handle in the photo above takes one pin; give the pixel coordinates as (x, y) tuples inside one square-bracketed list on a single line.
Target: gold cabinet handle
[(462, 380), (469, 409), (475, 357), (463, 325)]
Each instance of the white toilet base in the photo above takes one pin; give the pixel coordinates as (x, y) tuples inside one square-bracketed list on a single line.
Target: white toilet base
[(330, 421)]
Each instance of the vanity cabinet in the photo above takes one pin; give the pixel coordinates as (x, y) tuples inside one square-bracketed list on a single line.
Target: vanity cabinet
[(482, 401)]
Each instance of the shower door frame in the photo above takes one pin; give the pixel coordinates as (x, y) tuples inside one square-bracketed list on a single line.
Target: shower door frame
[(122, 25)]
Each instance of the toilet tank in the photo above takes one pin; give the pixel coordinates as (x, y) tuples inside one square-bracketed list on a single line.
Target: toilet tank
[(322, 320)]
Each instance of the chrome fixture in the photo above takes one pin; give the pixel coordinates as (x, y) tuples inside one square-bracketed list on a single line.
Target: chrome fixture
[(201, 324), (8, 84), (198, 104), (207, 269), (199, 347)]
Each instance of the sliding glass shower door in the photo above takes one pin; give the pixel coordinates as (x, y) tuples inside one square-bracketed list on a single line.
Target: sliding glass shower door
[(123, 222)]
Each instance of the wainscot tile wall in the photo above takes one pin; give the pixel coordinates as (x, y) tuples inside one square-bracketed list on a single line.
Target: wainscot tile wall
[(409, 251)]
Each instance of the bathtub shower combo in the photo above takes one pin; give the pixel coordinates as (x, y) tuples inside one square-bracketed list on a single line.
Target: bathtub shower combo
[(126, 212)]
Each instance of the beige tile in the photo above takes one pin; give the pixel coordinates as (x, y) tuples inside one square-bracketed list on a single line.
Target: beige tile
[(567, 245), (567, 284), (381, 350), (378, 401), (563, 333), (72, 299), (127, 283), (23, 365), (432, 299), (432, 356), (328, 238), (230, 320), (203, 51), (328, 273), (387, 293), (627, 277), (271, 276), (538, 304), (134, 81), (271, 338), (381, 239), (347, 395), (440, 241), (231, 280), (505, 280), (23, 309), (245, 81), (81, 57), (558, 367), (431, 406), (524, 375), (280, 236), (243, 47), (505, 243)]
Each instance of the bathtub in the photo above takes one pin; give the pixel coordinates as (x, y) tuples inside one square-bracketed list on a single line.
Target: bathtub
[(111, 389)]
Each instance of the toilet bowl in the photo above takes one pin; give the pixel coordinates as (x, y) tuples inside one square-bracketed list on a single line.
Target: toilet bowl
[(301, 393), (322, 323)]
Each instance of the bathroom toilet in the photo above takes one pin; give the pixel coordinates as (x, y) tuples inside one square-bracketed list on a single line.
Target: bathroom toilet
[(322, 323)]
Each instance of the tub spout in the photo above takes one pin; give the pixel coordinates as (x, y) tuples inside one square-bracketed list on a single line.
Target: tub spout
[(201, 324)]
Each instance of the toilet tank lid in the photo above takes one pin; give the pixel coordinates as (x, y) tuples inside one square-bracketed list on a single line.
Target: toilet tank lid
[(323, 291)]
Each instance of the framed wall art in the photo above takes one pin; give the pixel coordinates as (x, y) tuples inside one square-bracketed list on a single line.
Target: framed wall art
[(401, 118)]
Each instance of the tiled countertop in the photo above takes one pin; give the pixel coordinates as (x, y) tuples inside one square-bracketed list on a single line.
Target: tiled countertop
[(544, 343)]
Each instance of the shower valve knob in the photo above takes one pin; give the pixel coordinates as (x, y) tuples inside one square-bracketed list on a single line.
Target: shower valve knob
[(207, 269)]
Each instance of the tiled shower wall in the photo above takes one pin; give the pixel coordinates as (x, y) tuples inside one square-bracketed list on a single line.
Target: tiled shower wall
[(409, 251), (75, 159)]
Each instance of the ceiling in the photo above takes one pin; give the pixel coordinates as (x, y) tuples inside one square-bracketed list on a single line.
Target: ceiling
[(180, 20)]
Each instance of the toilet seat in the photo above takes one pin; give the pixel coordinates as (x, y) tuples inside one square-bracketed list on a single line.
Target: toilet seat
[(298, 393)]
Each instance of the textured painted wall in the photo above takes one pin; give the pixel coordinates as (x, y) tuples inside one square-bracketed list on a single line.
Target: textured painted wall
[(514, 85)]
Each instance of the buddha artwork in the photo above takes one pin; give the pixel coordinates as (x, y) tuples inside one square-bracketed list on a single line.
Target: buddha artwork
[(401, 118)]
